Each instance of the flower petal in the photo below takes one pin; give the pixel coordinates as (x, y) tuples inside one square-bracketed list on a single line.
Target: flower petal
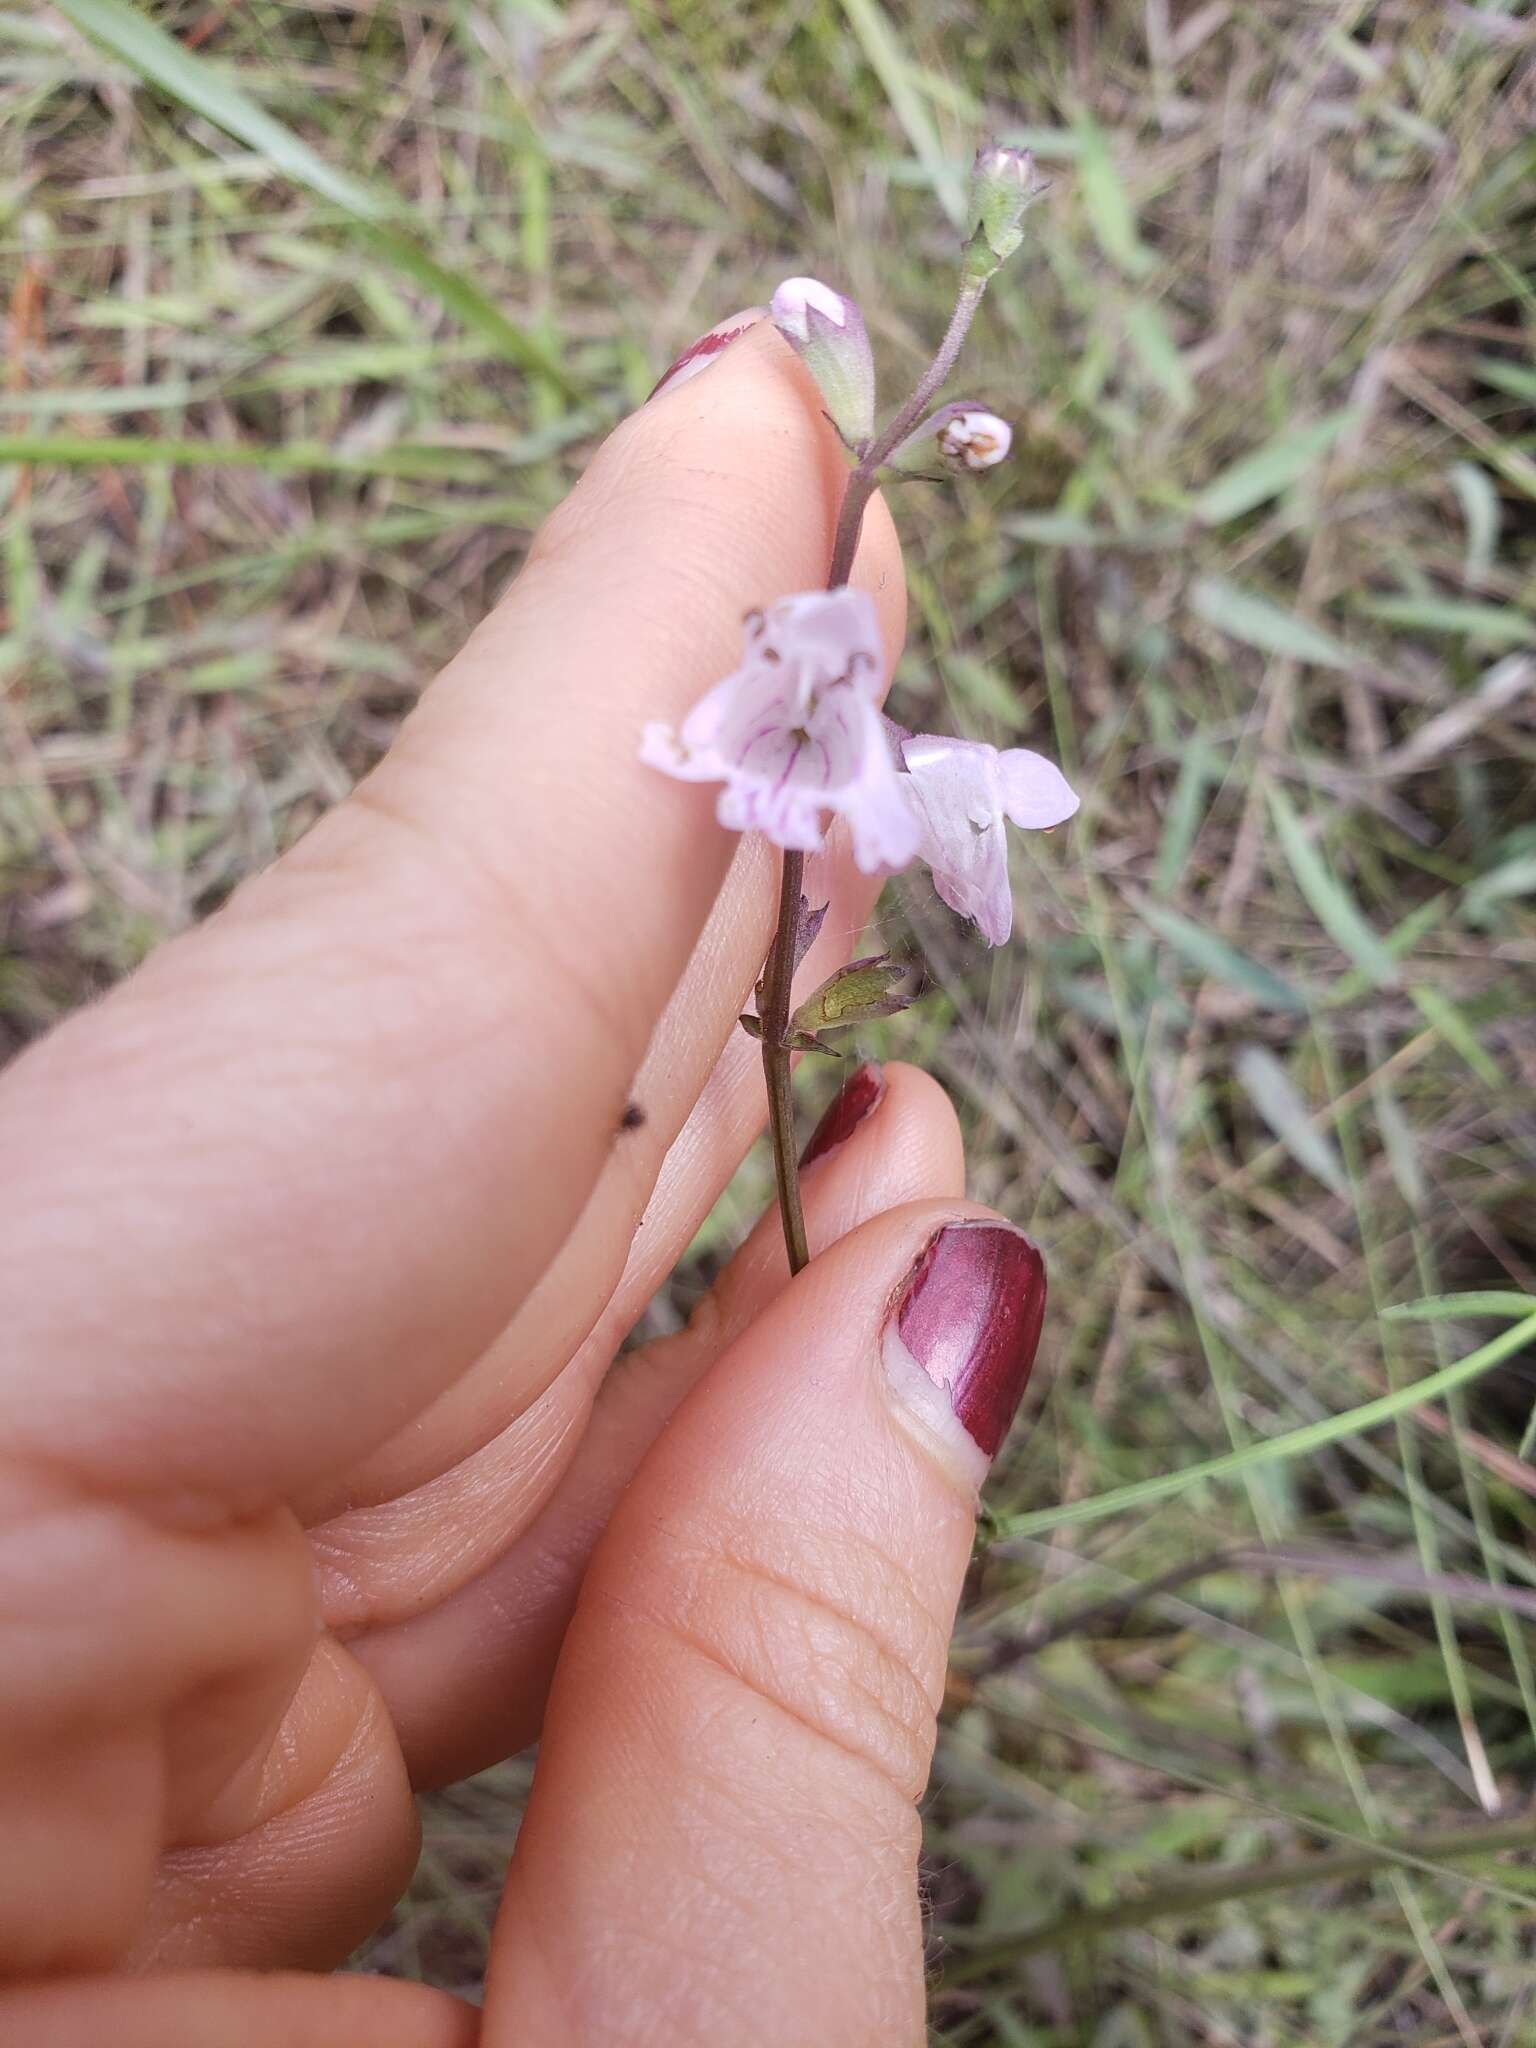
[(828, 634), (1035, 792), (795, 732), (661, 747), (955, 788)]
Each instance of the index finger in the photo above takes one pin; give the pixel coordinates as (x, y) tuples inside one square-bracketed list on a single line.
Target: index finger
[(285, 1184)]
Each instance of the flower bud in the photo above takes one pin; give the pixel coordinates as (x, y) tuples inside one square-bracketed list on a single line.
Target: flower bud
[(826, 331), (966, 438), (1004, 185)]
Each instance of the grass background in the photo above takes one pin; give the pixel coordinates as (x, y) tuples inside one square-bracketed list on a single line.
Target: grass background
[(314, 311)]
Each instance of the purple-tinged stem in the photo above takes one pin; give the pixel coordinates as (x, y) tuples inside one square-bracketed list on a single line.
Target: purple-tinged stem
[(774, 1011), (861, 484), (778, 974)]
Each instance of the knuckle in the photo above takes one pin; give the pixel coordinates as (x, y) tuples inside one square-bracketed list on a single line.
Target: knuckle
[(841, 1643)]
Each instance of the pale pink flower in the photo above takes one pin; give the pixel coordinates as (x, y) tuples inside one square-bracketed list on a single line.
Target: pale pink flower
[(826, 330), (963, 790), (795, 733)]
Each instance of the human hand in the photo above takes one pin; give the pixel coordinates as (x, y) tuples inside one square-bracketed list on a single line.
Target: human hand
[(318, 1238)]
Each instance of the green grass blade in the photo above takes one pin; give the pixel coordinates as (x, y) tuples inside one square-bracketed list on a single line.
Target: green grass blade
[(1209, 1891), (1295, 1443), (1282, 1106), (891, 65), (1437, 1009), (1214, 955), (1335, 909), (1108, 205), (202, 85), (297, 458), (1258, 622), (1271, 469), (1435, 1308), (1494, 625)]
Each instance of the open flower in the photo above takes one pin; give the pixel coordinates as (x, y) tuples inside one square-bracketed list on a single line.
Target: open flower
[(796, 733), (963, 790)]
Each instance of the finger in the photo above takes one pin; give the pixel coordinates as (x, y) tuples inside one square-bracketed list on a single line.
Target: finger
[(316, 1124), (385, 1561), (466, 1682), (722, 1834), (310, 1853), (315, 1848), (699, 1097), (237, 2009)]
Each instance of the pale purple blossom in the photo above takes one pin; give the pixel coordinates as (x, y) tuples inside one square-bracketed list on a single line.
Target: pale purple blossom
[(797, 298), (795, 733), (962, 791), (826, 330)]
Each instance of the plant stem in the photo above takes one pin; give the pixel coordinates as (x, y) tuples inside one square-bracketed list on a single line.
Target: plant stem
[(861, 484), (777, 976), (773, 1007)]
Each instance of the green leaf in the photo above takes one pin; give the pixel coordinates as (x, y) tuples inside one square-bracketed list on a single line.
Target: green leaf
[(1438, 1010), (1519, 379), (203, 86), (197, 82), (1200, 768), (982, 686), (1258, 622), (1271, 469), (898, 76), (141, 451), (1294, 1443), (1211, 954), (1282, 1106), (1108, 205), (1495, 625), (1480, 508), (1335, 909), (1158, 353), (1436, 1308), (1513, 877)]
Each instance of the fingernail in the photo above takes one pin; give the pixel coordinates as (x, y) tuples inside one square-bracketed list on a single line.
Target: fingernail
[(960, 1345), (707, 349), (860, 1094)]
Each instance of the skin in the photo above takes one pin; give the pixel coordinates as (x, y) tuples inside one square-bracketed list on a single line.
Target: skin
[(317, 1240)]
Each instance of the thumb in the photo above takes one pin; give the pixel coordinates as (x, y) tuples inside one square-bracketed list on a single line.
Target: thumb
[(722, 1842)]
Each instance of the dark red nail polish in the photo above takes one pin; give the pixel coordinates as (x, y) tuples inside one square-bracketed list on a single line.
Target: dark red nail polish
[(701, 353), (860, 1094), (971, 1318)]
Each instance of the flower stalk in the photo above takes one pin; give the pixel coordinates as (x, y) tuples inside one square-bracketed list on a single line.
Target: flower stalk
[(774, 1005), (794, 735), (773, 1008)]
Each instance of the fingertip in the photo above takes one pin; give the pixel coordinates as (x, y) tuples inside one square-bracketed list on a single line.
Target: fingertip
[(927, 1124), (752, 413)]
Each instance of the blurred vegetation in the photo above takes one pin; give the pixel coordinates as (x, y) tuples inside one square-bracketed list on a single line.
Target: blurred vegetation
[(314, 312)]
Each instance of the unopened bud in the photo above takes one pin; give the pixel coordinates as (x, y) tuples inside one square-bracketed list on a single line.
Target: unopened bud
[(826, 330), (966, 438), (1004, 185)]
